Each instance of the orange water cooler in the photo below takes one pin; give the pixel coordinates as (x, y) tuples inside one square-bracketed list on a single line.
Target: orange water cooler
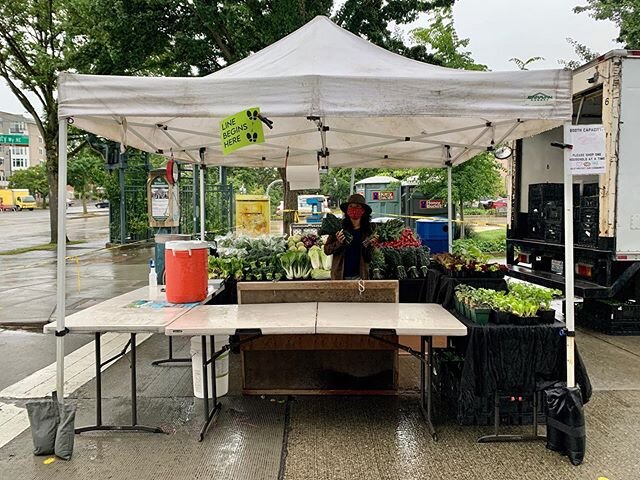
[(187, 274)]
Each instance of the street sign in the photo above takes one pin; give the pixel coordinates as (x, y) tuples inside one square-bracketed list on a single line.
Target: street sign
[(241, 130), (13, 139)]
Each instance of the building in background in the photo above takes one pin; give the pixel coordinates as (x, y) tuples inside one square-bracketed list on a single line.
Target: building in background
[(21, 145)]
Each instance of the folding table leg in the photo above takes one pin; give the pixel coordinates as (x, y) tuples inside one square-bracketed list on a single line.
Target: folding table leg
[(425, 385), (134, 405), (171, 358), (209, 415)]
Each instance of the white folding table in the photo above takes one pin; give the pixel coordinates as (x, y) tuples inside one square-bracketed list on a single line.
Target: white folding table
[(125, 313), (379, 320), (255, 320), (374, 319)]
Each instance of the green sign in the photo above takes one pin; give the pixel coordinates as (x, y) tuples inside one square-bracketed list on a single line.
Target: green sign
[(11, 139), (241, 130)]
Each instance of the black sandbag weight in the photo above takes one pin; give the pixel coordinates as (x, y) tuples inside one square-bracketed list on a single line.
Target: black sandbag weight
[(565, 422)]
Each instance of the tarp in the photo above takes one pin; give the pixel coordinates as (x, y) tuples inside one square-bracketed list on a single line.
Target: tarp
[(378, 109)]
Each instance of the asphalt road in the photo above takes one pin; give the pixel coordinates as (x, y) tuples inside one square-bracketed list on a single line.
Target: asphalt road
[(28, 283), (24, 229)]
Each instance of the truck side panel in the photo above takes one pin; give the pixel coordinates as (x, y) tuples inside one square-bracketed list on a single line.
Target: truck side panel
[(628, 202)]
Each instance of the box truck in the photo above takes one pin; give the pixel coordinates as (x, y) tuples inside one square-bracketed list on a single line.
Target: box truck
[(606, 206), (18, 198)]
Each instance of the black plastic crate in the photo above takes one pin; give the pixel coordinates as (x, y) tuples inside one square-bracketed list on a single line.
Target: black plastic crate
[(553, 233), (590, 190), (611, 317), (553, 212), (589, 202), (589, 215), (547, 191)]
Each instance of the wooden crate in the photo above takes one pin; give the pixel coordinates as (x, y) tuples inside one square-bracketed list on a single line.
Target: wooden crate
[(382, 291), (319, 364)]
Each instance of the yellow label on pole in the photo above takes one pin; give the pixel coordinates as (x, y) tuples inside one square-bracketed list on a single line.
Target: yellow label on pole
[(241, 130)]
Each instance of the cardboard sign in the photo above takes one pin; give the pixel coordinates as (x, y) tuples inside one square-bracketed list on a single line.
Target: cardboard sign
[(383, 195), (588, 152), (424, 204), (241, 130)]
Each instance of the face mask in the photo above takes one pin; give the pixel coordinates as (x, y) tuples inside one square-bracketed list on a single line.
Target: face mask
[(355, 213)]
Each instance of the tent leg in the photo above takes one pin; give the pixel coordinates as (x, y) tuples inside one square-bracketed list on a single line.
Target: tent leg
[(449, 209), (568, 259), (202, 193), (61, 254)]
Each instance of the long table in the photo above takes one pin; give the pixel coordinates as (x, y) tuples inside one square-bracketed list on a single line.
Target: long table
[(377, 320), (130, 313)]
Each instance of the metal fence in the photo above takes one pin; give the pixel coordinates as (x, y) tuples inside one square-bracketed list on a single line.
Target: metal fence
[(219, 205), (128, 186)]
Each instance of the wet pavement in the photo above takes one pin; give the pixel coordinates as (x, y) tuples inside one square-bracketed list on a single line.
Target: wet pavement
[(293, 438), (326, 437)]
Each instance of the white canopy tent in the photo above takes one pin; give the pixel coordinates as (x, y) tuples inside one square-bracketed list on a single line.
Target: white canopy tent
[(332, 97)]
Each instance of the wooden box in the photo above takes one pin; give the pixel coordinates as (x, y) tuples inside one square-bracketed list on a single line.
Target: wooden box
[(319, 364)]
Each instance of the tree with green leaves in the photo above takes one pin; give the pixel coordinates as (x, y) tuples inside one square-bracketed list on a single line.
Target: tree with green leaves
[(442, 40), (524, 64), (584, 53), (32, 52), (86, 173), (472, 180), (34, 179), (624, 13)]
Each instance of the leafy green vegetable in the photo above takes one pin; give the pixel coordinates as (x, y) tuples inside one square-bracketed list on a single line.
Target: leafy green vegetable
[(392, 262), (296, 265), (315, 254), (320, 274), (389, 230), (376, 266)]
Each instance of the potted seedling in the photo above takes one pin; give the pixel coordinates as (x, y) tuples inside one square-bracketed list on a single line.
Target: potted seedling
[(545, 312), (482, 310)]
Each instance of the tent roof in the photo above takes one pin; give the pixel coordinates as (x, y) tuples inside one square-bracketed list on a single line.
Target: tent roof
[(374, 108), (377, 179)]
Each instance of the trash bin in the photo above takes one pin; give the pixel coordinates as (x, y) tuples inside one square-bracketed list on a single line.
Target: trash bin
[(222, 367), (433, 233), (160, 240)]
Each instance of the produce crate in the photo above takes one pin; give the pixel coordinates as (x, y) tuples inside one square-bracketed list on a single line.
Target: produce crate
[(589, 202), (446, 388), (590, 190), (610, 316)]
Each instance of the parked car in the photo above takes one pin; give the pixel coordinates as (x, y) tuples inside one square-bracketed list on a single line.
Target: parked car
[(102, 204), (499, 203)]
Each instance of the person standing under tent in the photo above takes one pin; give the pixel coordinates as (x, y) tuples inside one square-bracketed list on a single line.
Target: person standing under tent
[(351, 258)]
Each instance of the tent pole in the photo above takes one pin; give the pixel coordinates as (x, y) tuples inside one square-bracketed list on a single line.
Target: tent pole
[(202, 232), (61, 254), (568, 259), (449, 209), (353, 179)]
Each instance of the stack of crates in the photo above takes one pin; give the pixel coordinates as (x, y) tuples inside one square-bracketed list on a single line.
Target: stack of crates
[(588, 217), (546, 212)]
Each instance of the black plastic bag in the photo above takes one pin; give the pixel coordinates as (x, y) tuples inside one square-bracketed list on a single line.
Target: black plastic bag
[(565, 422)]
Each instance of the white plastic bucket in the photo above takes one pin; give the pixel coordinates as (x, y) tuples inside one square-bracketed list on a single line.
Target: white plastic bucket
[(222, 367)]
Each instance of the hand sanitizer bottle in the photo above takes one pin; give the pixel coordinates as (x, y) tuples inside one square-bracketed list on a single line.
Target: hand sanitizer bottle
[(153, 281)]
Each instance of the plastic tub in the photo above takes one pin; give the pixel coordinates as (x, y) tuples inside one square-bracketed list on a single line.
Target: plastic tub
[(160, 240), (433, 233), (187, 274), (222, 368)]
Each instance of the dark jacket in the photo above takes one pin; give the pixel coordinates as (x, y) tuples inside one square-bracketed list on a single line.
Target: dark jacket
[(332, 247)]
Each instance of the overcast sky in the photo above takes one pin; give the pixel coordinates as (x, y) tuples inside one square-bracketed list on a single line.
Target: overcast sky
[(500, 30)]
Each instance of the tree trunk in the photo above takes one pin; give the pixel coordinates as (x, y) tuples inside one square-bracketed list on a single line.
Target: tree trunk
[(290, 200), (84, 203), (461, 219), (50, 136)]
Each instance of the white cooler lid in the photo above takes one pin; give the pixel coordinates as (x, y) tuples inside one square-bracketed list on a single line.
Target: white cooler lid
[(186, 245)]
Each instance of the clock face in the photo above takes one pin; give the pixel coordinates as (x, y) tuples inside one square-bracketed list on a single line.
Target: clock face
[(173, 172)]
